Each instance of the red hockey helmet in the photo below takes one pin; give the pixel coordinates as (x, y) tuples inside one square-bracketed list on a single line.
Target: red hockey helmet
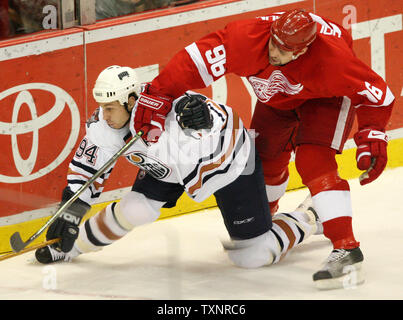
[(294, 30)]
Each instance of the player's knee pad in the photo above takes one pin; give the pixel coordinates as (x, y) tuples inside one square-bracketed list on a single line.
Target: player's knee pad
[(135, 209), (251, 253)]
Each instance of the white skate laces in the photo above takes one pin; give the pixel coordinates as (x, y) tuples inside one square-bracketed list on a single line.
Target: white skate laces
[(336, 255), (57, 255)]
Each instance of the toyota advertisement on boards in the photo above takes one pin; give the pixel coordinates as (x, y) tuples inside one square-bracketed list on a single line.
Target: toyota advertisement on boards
[(42, 109)]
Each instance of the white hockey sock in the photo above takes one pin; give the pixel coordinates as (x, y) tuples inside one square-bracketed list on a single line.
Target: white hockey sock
[(100, 230), (72, 253), (289, 230), (116, 220)]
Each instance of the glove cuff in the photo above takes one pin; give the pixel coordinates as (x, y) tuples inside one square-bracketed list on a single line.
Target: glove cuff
[(148, 89), (370, 134), (78, 208)]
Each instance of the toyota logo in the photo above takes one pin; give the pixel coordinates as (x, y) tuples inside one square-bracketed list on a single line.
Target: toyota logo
[(14, 128)]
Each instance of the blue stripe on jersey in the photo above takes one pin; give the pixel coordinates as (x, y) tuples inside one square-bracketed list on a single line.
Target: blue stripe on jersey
[(301, 233), (90, 170), (278, 239), (219, 114), (83, 166), (237, 148), (82, 182), (191, 175)]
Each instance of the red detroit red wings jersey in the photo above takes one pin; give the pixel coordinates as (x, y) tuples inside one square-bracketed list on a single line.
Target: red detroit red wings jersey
[(328, 69)]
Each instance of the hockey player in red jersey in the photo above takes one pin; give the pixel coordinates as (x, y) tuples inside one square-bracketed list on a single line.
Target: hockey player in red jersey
[(309, 85)]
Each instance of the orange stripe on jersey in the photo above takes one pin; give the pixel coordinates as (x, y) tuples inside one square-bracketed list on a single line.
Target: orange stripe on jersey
[(103, 227), (97, 185), (289, 233), (216, 164), (219, 108), (77, 173)]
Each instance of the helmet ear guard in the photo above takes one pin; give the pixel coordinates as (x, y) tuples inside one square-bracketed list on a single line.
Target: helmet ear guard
[(116, 83)]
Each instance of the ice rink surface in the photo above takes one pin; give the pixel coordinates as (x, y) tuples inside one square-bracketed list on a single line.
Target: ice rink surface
[(181, 258)]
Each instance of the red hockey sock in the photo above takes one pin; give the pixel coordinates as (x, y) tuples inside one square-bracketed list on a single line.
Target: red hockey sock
[(318, 168), (340, 232)]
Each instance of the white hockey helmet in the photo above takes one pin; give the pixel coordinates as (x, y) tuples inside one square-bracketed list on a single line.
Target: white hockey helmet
[(116, 83)]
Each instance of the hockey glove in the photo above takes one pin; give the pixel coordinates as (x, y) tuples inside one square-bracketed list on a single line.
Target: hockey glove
[(151, 111), (371, 153), (66, 226), (192, 112)]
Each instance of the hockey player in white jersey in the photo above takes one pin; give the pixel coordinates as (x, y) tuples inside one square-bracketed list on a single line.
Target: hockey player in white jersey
[(201, 148)]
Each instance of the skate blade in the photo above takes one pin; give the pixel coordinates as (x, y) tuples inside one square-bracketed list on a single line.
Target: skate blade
[(350, 280)]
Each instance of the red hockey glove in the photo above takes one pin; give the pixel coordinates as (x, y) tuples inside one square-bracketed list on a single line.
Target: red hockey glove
[(371, 153), (152, 108)]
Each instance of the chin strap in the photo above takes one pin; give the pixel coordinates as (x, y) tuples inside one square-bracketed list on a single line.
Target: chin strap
[(126, 106)]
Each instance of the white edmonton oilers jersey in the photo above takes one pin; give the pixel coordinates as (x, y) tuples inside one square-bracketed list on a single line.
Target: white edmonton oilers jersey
[(203, 161)]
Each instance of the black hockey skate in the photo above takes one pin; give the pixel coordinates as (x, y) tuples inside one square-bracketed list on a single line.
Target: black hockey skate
[(341, 270), (50, 254)]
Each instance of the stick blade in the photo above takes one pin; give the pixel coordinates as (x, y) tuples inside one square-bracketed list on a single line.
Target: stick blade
[(16, 242)]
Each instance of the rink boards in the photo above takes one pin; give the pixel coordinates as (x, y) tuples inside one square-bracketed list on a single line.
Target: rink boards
[(47, 78)]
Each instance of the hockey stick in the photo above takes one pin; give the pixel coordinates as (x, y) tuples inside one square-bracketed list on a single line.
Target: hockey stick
[(40, 245), (17, 244)]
